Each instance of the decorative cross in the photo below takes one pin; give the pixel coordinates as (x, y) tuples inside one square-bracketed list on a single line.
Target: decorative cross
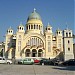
[(10, 27), (48, 23), (20, 23), (34, 9)]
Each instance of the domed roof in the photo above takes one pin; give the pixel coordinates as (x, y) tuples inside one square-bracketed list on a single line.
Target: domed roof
[(34, 15)]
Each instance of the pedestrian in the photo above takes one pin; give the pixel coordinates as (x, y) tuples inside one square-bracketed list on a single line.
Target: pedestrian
[(49, 58), (13, 60)]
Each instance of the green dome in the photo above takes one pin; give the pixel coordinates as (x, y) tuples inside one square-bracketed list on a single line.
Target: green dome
[(34, 15)]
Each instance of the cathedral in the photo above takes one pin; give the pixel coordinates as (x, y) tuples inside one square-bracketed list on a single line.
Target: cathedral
[(36, 42)]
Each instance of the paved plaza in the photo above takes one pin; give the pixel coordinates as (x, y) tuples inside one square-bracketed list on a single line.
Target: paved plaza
[(35, 70)]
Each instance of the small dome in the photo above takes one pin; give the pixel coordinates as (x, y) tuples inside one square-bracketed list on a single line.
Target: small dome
[(34, 15)]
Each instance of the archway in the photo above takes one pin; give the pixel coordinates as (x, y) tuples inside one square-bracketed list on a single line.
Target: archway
[(40, 53), (27, 53), (34, 53)]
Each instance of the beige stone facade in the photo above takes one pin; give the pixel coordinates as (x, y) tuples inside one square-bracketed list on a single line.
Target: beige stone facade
[(33, 41)]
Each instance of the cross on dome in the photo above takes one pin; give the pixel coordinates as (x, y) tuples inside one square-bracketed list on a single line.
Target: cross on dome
[(20, 23), (34, 9), (48, 23), (10, 27)]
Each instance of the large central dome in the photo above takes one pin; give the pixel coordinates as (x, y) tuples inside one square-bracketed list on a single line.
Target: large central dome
[(34, 15), (34, 23)]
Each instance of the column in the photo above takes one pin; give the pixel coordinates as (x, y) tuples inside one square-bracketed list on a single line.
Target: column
[(37, 53), (30, 53)]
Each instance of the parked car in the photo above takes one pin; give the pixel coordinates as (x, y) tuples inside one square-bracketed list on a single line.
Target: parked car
[(5, 61), (36, 60), (45, 61), (70, 62), (56, 61), (26, 61)]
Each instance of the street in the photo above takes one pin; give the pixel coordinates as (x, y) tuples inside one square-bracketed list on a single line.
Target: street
[(35, 70)]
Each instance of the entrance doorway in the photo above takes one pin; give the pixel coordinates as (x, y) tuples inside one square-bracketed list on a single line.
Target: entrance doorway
[(40, 53), (34, 53), (27, 53)]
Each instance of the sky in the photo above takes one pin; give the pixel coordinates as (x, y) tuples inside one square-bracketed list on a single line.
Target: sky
[(59, 13)]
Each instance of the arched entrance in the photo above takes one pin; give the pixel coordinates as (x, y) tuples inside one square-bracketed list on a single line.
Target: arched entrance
[(40, 53), (27, 53), (34, 53)]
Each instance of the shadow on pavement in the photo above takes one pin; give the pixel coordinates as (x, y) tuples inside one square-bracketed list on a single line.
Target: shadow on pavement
[(69, 68)]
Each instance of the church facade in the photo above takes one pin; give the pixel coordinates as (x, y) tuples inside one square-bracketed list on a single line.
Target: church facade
[(34, 41)]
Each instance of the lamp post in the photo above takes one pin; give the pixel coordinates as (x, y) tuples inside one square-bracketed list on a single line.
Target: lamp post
[(3, 49)]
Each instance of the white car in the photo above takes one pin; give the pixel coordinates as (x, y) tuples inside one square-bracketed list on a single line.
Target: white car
[(5, 61)]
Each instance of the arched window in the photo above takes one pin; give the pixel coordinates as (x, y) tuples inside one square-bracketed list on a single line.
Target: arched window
[(9, 31), (68, 49), (20, 28), (48, 28), (41, 27), (32, 41), (29, 26), (66, 34), (27, 52), (37, 26), (59, 32), (36, 41), (68, 41), (69, 34), (28, 42), (34, 26)]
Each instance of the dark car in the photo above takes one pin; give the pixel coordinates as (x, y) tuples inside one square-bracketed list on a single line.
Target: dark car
[(70, 62), (56, 61), (45, 61)]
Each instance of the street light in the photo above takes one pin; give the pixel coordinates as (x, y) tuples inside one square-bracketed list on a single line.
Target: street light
[(3, 50)]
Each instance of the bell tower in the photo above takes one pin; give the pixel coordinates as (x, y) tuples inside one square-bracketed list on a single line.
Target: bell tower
[(48, 35), (21, 28), (10, 31), (68, 44)]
